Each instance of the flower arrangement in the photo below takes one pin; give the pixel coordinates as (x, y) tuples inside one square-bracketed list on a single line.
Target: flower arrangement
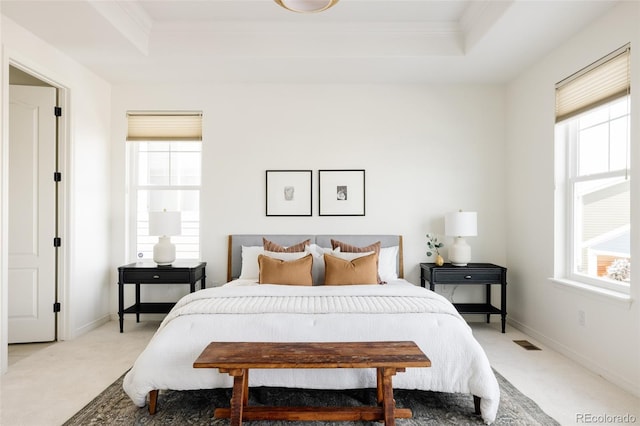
[(620, 270), (433, 245)]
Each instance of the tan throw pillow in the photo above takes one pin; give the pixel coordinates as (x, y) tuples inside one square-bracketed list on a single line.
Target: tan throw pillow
[(362, 270), (348, 248), (292, 272), (271, 246)]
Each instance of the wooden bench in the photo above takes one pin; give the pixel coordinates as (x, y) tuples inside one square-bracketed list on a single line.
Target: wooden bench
[(388, 358)]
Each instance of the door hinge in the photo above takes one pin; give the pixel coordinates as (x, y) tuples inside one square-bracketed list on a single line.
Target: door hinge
[(57, 242), (57, 111), (57, 176), (56, 307)]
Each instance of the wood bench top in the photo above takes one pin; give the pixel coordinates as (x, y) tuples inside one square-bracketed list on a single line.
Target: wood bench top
[(234, 355)]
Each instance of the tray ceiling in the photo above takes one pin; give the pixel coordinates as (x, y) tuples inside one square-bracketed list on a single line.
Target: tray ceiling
[(253, 41)]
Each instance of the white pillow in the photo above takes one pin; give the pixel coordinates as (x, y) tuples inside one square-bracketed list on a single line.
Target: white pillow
[(387, 263), (250, 269), (318, 261)]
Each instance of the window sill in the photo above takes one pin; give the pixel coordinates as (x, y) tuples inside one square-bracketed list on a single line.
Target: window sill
[(612, 295)]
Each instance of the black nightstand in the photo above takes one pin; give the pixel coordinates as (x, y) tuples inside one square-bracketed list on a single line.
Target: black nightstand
[(485, 274), (180, 272)]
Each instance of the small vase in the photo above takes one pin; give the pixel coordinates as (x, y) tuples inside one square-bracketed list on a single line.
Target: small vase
[(439, 260)]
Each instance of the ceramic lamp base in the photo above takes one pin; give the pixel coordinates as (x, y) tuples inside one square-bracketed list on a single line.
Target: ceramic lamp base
[(164, 252), (459, 252)]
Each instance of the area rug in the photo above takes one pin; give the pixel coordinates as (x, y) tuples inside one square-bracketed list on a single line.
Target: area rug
[(113, 407)]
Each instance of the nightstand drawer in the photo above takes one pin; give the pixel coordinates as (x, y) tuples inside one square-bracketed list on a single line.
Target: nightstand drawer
[(156, 276), (442, 276)]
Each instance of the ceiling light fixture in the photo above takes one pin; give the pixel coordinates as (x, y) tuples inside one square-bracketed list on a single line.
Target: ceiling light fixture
[(306, 6)]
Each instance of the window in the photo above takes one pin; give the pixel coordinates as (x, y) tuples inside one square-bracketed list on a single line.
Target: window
[(164, 174), (593, 138)]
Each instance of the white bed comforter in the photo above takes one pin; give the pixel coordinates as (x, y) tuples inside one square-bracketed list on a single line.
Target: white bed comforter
[(243, 311)]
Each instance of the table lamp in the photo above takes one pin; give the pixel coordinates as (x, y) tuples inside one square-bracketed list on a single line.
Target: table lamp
[(459, 225), (164, 224)]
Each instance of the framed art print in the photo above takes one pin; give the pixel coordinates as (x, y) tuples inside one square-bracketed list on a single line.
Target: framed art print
[(341, 192), (288, 193)]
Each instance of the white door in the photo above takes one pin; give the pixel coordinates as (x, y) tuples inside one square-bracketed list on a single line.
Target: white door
[(32, 204)]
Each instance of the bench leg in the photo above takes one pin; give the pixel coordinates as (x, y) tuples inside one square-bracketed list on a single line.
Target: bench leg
[(239, 395), (153, 401), (476, 404), (385, 387)]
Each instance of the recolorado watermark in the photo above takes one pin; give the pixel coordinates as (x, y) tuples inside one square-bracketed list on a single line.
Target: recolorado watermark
[(605, 418)]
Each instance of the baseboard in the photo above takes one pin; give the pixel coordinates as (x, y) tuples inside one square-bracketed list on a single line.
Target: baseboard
[(596, 368), (91, 326)]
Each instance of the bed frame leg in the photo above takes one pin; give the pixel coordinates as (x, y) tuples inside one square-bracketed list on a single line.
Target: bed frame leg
[(153, 401), (476, 404)]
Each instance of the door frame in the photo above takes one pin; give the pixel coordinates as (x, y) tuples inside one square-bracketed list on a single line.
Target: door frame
[(63, 188)]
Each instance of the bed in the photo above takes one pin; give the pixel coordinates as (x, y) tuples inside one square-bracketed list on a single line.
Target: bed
[(389, 309)]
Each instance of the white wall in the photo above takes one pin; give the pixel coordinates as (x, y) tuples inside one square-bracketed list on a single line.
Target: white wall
[(609, 343), (90, 222), (426, 150), (85, 165), (4, 222)]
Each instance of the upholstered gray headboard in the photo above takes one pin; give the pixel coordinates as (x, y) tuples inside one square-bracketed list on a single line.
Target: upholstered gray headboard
[(236, 241)]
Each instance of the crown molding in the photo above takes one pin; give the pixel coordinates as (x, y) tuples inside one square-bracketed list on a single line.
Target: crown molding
[(129, 19), (478, 18)]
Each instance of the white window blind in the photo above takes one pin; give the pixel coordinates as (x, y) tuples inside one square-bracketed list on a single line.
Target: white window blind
[(164, 126), (603, 81)]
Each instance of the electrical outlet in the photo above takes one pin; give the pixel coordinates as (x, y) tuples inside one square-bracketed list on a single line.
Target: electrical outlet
[(582, 318)]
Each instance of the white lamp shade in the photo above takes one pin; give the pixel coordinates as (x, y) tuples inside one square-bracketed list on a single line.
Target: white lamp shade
[(165, 223), (461, 224)]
